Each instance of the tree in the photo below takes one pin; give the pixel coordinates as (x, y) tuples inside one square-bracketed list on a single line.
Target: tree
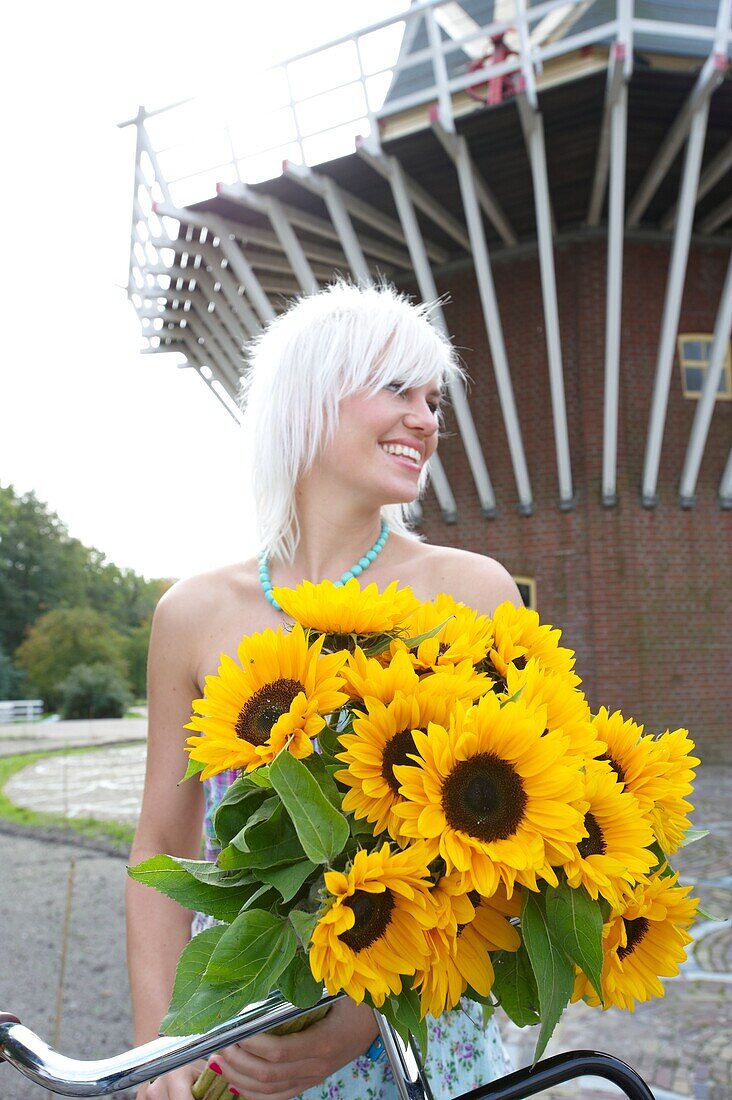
[(63, 638), (137, 643), (42, 568), (94, 691), (11, 678)]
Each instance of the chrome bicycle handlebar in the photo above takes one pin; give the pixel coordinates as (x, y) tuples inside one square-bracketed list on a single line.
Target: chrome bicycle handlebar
[(24, 1050)]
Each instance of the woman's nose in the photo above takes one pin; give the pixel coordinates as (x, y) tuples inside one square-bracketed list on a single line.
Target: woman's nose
[(421, 419)]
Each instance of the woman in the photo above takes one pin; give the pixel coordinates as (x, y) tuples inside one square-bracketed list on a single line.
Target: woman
[(342, 414)]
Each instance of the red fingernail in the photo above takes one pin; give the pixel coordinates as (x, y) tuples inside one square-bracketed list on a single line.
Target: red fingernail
[(215, 1067), (234, 1092)]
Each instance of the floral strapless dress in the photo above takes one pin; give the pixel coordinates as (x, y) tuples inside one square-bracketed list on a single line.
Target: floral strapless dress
[(463, 1054)]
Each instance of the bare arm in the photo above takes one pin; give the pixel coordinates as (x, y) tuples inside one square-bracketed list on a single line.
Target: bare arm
[(170, 821)]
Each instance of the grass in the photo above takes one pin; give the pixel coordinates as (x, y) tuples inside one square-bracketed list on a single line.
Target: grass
[(118, 834)]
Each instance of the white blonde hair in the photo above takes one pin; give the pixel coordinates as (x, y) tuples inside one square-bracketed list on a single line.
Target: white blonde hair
[(322, 349)]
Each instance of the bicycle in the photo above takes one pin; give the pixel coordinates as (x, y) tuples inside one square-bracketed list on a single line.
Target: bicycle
[(30, 1055)]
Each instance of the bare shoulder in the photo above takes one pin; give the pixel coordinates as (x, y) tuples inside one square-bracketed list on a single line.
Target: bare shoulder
[(479, 581), (194, 603)]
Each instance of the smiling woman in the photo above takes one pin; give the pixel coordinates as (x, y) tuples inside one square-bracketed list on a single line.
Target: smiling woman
[(342, 414)]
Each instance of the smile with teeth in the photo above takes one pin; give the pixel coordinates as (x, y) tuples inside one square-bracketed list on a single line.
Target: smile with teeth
[(400, 450)]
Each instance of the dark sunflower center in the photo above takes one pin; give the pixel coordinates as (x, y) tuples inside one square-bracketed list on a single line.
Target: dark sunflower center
[(259, 714), (484, 797), (372, 913), (395, 752), (635, 930), (593, 844), (617, 768)]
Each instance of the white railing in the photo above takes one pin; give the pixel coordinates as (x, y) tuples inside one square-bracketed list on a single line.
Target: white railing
[(20, 710), (313, 106)]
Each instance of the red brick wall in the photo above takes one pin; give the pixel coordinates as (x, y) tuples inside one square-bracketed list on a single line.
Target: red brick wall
[(642, 595)]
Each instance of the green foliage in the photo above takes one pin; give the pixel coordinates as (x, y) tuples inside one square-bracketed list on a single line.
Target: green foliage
[(515, 986), (321, 828), (136, 645), (231, 969), (11, 678), (43, 568), (575, 922), (553, 971), (197, 885), (94, 691), (60, 641)]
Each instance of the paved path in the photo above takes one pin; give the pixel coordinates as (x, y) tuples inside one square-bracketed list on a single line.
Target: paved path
[(21, 737), (681, 1044)]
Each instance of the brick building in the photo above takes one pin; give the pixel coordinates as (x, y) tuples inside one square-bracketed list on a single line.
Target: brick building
[(562, 173)]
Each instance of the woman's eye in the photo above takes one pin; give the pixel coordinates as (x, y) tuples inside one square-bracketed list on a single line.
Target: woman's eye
[(396, 387)]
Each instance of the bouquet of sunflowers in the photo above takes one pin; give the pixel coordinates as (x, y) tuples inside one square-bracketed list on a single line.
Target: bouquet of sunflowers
[(426, 809)]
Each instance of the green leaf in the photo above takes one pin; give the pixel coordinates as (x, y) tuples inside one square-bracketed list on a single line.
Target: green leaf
[(417, 640), (260, 778), (264, 893), (192, 965), (266, 843), (329, 743), (288, 880), (321, 829), (166, 874), (297, 984), (359, 826), (208, 1006), (240, 801), (403, 1013), (254, 950), (374, 644), (515, 986), (204, 870), (324, 776), (303, 923), (692, 835), (553, 972), (575, 923), (194, 767)]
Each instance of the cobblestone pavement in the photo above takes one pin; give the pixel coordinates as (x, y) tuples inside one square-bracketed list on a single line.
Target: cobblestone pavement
[(681, 1044)]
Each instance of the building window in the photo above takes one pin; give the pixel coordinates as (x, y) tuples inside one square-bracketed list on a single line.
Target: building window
[(527, 588), (695, 349)]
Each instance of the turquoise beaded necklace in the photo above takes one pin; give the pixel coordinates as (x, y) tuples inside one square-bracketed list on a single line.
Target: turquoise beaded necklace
[(355, 570)]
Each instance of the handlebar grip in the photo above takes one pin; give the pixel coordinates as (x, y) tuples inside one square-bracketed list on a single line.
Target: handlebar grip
[(7, 1018)]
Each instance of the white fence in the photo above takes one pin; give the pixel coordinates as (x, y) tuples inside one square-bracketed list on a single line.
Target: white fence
[(20, 710)]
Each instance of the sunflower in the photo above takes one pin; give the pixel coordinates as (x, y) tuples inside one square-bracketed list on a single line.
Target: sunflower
[(643, 941), (669, 813), (369, 676), (566, 707), (487, 793), (631, 756), (519, 636), (466, 635), (470, 928), (347, 609), (382, 738), (614, 855), (372, 931), (278, 692)]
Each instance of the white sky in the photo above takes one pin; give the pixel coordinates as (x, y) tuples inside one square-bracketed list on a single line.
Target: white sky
[(135, 455)]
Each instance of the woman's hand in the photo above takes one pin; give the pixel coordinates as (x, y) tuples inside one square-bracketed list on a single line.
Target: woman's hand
[(172, 1086), (278, 1067)]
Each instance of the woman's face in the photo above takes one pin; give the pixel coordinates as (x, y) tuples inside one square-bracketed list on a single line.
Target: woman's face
[(383, 441)]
